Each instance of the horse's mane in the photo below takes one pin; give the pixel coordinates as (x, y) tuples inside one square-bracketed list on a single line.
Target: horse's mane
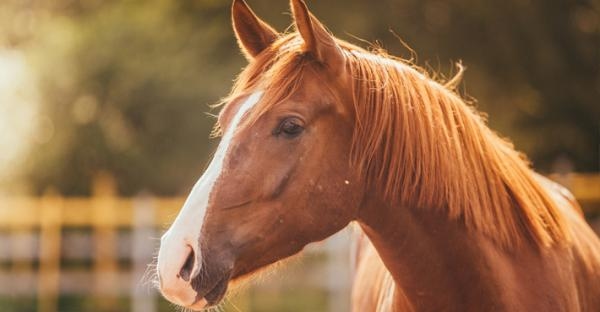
[(420, 144)]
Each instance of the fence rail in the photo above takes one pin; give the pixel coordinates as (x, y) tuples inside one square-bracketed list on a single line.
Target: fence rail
[(35, 242)]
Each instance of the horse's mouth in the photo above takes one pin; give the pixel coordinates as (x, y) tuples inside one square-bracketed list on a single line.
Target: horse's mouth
[(215, 295), (212, 297)]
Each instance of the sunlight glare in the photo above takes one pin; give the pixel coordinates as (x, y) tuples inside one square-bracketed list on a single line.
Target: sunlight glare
[(18, 110)]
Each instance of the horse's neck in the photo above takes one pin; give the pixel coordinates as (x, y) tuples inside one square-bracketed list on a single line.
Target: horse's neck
[(433, 259), (437, 264)]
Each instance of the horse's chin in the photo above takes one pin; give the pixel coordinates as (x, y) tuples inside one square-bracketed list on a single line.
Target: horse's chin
[(198, 305), (231, 280), (210, 287), (213, 297)]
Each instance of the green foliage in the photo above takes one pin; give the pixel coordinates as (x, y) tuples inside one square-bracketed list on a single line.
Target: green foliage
[(127, 84), (127, 87), (20, 304)]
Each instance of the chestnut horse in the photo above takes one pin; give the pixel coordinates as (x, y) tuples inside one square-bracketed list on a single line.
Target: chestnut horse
[(318, 133)]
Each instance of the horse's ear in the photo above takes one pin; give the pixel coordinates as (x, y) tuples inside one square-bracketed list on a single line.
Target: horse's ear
[(317, 39), (253, 35)]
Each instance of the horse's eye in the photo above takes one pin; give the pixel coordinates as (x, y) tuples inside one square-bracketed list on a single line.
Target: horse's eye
[(290, 127)]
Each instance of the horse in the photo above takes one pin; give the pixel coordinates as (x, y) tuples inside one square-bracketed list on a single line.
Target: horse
[(318, 133)]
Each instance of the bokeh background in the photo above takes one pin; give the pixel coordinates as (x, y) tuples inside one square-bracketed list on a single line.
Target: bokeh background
[(105, 103)]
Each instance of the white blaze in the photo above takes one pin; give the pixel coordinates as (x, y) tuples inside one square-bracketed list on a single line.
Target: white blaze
[(185, 230)]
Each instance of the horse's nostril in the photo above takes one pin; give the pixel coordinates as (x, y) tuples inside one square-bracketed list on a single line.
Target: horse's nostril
[(186, 271)]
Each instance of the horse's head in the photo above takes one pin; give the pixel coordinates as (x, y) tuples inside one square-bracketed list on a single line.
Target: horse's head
[(280, 177)]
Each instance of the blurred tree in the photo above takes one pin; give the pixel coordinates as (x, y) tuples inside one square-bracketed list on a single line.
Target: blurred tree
[(127, 86), (534, 65), (126, 83)]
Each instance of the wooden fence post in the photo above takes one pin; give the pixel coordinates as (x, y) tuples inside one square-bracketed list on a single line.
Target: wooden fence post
[(50, 241), (22, 253), (143, 296), (105, 239)]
